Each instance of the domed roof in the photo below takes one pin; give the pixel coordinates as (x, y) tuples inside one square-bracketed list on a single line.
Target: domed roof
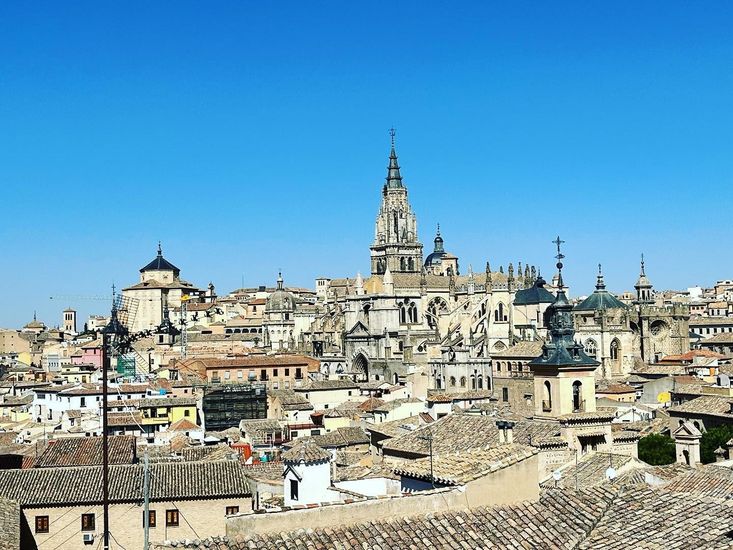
[(601, 298), (536, 294), (281, 299), (436, 256), (160, 264)]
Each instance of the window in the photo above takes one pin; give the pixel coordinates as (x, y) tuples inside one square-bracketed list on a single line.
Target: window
[(614, 349), (83, 401), (298, 374), (452, 382), (274, 372), (287, 372), (505, 394), (240, 375), (151, 518), (41, 524), (87, 522), (226, 375), (186, 413), (263, 374), (231, 510), (171, 518), (294, 489), (463, 381)]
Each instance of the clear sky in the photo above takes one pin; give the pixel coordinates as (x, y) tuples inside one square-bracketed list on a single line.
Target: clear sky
[(252, 136)]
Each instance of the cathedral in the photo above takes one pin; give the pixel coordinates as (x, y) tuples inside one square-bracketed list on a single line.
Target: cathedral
[(412, 316)]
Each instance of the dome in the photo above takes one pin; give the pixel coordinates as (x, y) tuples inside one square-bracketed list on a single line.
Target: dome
[(281, 299), (601, 298), (436, 256)]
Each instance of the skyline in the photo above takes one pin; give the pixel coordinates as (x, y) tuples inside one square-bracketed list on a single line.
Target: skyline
[(257, 139)]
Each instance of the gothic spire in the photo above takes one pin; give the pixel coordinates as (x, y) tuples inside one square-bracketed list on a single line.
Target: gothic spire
[(394, 179)]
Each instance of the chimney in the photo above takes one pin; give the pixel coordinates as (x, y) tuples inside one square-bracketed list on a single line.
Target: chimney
[(506, 432)]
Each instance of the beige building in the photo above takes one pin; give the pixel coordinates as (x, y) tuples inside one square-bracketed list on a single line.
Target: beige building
[(160, 288), (62, 510)]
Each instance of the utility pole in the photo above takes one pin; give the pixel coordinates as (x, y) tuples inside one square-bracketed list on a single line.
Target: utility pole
[(146, 501)]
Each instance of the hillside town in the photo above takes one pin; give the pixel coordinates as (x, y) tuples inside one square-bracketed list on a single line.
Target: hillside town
[(424, 404)]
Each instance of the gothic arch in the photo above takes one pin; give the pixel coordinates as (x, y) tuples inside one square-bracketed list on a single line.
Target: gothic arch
[(436, 308), (591, 348)]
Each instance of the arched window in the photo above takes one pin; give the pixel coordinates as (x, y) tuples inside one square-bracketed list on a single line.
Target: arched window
[(498, 366), (452, 381), (473, 382), (488, 382), (412, 312), (577, 396), (547, 397), (499, 315), (403, 314), (402, 264), (615, 347), (463, 381), (411, 264), (480, 382), (437, 383), (590, 348), (436, 308)]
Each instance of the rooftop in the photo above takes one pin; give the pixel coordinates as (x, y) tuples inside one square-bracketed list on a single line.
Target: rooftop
[(86, 451), (460, 468), (83, 485)]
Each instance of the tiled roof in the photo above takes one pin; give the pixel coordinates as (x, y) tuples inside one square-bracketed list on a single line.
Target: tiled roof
[(707, 481), (291, 401), (448, 397), (591, 470), (706, 404), (340, 437), (87, 451), (9, 524), (370, 404), (396, 428), (328, 385), (183, 425), (257, 429), (460, 468), (520, 349), (462, 432), (305, 451), (590, 518), (125, 418), (83, 485), (616, 389)]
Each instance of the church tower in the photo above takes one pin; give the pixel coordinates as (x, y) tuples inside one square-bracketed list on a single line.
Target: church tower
[(395, 239), (564, 380)]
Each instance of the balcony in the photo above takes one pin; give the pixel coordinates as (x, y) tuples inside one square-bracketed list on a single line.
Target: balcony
[(546, 406)]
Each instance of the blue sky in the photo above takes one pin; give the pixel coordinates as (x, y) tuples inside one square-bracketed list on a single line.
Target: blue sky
[(252, 136)]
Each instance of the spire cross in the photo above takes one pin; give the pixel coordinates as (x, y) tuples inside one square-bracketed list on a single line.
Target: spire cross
[(558, 242), (392, 133), (642, 263), (599, 269), (160, 249)]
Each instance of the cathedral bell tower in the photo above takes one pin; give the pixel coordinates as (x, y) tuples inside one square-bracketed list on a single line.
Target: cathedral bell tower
[(395, 238)]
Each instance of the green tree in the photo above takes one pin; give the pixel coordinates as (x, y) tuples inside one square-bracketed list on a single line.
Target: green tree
[(657, 449), (712, 439)]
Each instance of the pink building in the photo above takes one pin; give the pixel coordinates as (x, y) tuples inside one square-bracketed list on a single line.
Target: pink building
[(91, 354)]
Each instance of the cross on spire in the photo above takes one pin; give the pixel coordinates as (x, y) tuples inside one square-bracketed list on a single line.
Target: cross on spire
[(392, 133), (559, 257), (642, 264), (160, 249)]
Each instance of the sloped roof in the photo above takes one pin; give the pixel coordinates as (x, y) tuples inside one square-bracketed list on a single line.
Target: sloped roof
[(460, 468), (159, 263), (305, 451), (87, 451), (83, 485)]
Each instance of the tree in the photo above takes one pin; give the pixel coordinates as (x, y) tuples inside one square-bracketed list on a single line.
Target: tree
[(657, 449), (712, 439)]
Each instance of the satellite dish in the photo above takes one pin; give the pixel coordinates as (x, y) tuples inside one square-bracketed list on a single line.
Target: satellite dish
[(556, 475), (611, 473)]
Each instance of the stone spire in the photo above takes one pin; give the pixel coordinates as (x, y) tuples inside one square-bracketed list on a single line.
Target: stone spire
[(527, 279), (394, 179), (510, 277), (489, 283), (520, 281), (388, 282), (471, 285), (359, 284)]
